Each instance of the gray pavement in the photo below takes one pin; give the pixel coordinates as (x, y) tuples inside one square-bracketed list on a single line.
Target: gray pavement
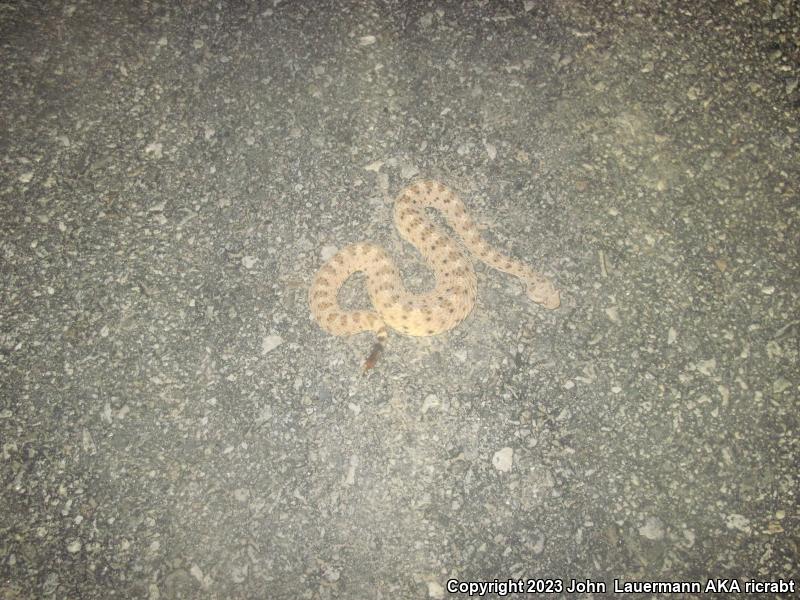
[(175, 425)]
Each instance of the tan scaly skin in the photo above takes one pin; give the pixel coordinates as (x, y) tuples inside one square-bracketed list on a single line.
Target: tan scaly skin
[(430, 313)]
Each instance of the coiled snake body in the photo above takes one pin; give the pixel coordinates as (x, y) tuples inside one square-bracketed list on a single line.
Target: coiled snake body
[(429, 313)]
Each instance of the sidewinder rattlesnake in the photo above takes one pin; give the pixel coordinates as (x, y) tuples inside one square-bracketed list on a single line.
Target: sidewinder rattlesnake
[(429, 313)]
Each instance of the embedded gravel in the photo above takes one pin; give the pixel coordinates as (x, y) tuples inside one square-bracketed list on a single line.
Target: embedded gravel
[(174, 424)]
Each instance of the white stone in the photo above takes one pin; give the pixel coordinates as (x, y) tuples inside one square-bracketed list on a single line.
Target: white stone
[(652, 529), (435, 590), (269, 343), (408, 171), (503, 459), (707, 366), (155, 148), (431, 401), (328, 252), (738, 522)]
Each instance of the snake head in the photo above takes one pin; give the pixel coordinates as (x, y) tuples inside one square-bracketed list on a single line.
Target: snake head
[(544, 292)]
